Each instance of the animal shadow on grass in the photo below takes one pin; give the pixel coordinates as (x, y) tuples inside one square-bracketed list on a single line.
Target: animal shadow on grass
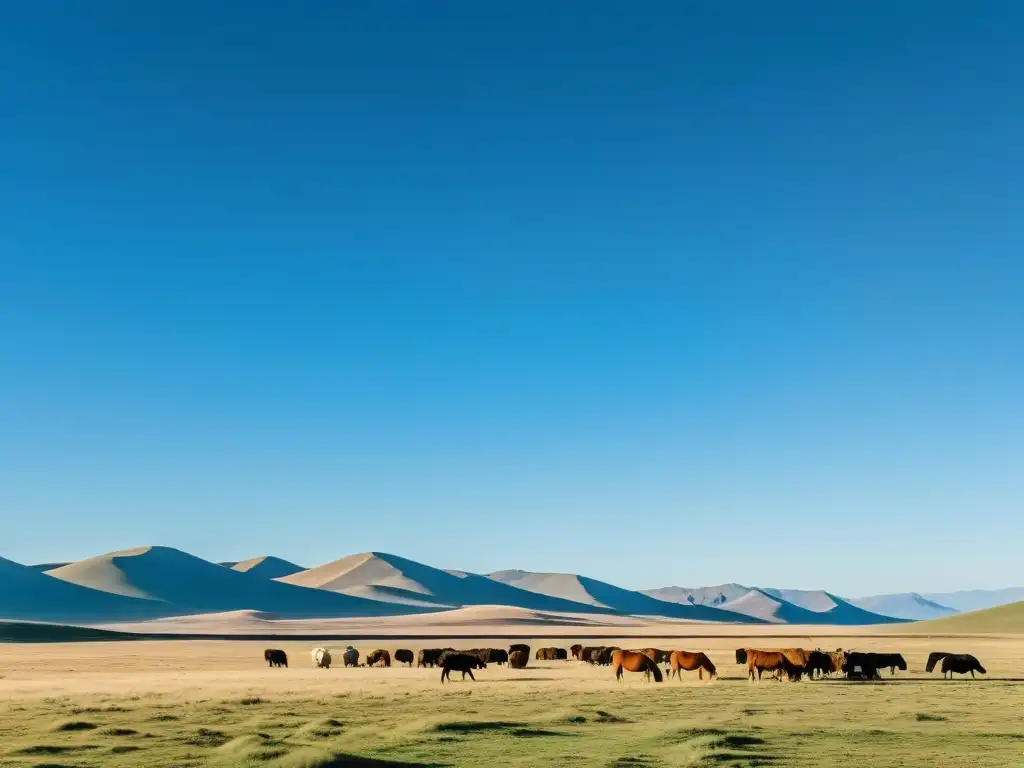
[(357, 761), (521, 730), (719, 747)]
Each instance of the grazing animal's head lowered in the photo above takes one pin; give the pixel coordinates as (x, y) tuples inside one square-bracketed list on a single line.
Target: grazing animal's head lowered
[(741, 655)]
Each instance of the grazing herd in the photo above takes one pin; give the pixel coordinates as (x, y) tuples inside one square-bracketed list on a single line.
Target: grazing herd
[(783, 663)]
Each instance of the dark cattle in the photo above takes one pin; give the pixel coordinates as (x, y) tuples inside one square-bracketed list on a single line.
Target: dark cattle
[(934, 658), (741, 655), (961, 664), (561, 654), (893, 661), (575, 651), (350, 657), (865, 666), (518, 659), (275, 657), (428, 657), (519, 647), (379, 656), (604, 656), (404, 656), (818, 663), (498, 656), (460, 662), (589, 653)]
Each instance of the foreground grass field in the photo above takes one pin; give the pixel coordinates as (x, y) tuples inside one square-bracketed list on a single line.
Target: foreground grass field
[(193, 704)]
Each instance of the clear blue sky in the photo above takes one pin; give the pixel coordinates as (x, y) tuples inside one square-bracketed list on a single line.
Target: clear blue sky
[(661, 293)]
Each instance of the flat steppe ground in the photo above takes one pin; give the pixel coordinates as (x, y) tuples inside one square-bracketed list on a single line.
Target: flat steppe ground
[(198, 702)]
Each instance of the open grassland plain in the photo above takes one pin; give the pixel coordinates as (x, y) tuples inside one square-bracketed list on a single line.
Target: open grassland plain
[(197, 703)]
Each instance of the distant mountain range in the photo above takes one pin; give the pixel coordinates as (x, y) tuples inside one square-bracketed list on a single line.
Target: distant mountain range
[(149, 583)]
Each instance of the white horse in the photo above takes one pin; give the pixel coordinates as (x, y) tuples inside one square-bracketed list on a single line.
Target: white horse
[(322, 657)]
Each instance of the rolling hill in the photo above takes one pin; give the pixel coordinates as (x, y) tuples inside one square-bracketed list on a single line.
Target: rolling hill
[(1003, 619), (976, 599), (907, 605), (761, 605), (600, 594), (267, 567), (27, 594), (391, 578), (192, 585), (714, 596)]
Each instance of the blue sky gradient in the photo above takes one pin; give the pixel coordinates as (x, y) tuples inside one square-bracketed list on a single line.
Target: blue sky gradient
[(476, 282)]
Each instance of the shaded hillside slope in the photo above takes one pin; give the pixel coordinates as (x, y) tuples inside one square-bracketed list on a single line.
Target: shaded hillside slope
[(171, 576), (267, 567), (836, 609), (600, 594), (29, 595), (761, 605), (389, 577)]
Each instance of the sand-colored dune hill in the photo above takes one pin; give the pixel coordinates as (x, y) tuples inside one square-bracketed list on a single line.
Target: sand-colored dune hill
[(1001, 620), (768, 605), (29, 595), (392, 578), (192, 585), (830, 609), (761, 605), (600, 594), (267, 567), (713, 596)]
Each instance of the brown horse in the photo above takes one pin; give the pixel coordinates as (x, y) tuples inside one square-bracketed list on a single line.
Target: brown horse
[(518, 659), (575, 651), (685, 661), (656, 655), (774, 661), (632, 661)]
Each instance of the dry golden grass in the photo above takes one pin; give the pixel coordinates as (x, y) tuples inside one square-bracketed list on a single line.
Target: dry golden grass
[(217, 703)]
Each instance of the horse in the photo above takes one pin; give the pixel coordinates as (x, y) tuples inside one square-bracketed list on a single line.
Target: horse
[(631, 661), (759, 661), (322, 658), (350, 657), (519, 647), (497, 656), (657, 655), (379, 656), (461, 662), (275, 657), (518, 659), (589, 653), (546, 654), (686, 661), (961, 664), (404, 656), (604, 655), (575, 651)]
